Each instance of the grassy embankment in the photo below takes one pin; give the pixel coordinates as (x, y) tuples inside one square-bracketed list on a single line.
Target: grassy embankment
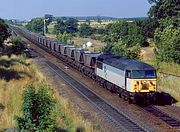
[(166, 83), (15, 73)]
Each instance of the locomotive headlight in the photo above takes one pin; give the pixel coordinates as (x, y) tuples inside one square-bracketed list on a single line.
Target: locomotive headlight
[(152, 84), (135, 83)]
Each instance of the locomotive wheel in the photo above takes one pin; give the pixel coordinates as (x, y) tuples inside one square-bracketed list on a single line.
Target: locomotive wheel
[(120, 95), (146, 101), (130, 101), (125, 98)]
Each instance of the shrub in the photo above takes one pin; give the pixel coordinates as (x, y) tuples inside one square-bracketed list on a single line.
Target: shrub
[(38, 106), (167, 44)]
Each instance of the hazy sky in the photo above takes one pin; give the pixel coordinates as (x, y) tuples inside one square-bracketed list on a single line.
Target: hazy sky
[(27, 9)]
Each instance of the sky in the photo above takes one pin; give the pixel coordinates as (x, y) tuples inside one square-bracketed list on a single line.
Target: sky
[(27, 9)]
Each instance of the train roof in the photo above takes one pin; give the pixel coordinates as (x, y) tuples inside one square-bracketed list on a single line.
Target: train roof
[(123, 63)]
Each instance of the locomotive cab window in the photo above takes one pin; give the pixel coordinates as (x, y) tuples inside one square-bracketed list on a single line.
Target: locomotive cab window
[(144, 74), (128, 74), (99, 65)]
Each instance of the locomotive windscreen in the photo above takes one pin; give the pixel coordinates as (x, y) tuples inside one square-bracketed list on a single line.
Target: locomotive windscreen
[(143, 74)]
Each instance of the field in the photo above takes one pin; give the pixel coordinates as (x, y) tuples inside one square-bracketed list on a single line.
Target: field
[(96, 24), (15, 73)]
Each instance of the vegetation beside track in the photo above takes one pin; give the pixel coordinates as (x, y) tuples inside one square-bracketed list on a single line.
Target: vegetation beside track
[(16, 73)]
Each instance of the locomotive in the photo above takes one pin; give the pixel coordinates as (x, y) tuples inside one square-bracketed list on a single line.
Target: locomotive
[(131, 79)]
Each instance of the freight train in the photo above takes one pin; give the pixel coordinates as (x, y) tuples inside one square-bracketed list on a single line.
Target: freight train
[(131, 79)]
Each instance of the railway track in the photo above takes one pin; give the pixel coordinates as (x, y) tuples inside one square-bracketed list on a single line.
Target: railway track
[(163, 116), (123, 122)]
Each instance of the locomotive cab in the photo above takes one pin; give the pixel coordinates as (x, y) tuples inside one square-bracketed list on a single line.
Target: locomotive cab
[(141, 81)]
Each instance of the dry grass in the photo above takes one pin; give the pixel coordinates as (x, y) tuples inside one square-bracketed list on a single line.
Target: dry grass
[(68, 119), (51, 27), (96, 24), (169, 84), (147, 55), (11, 88), (11, 92), (52, 36), (166, 83), (170, 68), (96, 44)]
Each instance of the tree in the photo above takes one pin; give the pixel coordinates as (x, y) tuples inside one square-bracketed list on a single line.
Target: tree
[(128, 32), (4, 33), (49, 18), (85, 30), (166, 36), (72, 25), (168, 44), (164, 8), (38, 106), (99, 19), (148, 27), (120, 48), (60, 26), (36, 25)]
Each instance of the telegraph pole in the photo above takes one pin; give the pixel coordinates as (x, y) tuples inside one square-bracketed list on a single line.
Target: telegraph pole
[(44, 26)]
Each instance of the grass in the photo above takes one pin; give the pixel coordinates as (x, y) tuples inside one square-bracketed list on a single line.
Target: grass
[(166, 83), (96, 24), (96, 45), (170, 85), (11, 91), (170, 68), (69, 119), (51, 27)]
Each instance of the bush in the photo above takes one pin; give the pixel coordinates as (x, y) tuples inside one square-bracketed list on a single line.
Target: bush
[(65, 37), (38, 106)]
